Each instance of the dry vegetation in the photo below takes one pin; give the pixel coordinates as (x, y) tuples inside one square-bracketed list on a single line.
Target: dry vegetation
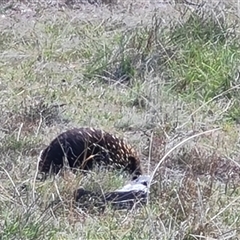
[(154, 73)]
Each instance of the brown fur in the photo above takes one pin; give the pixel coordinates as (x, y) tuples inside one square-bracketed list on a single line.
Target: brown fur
[(84, 147)]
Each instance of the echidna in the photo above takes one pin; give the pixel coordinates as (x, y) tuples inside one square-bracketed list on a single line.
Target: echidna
[(85, 147)]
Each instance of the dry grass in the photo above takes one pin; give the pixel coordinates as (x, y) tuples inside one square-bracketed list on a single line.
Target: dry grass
[(153, 73)]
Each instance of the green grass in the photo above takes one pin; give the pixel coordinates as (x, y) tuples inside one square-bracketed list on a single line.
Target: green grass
[(152, 77), (208, 54)]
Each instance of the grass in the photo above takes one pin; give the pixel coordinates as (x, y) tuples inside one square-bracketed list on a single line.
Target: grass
[(151, 77)]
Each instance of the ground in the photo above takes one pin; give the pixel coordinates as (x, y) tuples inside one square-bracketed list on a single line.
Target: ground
[(164, 75)]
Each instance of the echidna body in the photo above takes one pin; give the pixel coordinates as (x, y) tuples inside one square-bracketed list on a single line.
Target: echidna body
[(85, 147)]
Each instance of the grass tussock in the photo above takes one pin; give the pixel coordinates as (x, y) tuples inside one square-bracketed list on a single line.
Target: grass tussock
[(151, 77)]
